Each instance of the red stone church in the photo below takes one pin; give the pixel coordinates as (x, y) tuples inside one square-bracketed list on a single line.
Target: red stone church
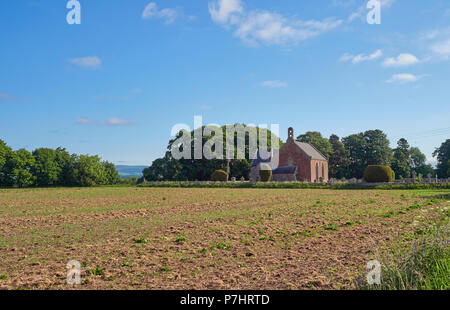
[(298, 162)]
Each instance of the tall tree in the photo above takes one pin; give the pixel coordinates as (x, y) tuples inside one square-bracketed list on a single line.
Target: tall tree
[(320, 143), (368, 148), (5, 167), (401, 159), (443, 157), (23, 163), (111, 174), (46, 169), (378, 151), (417, 158), (356, 145), (339, 160)]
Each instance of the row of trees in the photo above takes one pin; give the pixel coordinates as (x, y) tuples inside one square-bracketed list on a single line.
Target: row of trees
[(49, 167), (348, 157)]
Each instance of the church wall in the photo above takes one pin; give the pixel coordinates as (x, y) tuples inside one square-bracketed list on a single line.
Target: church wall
[(322, 172), (299, 159)]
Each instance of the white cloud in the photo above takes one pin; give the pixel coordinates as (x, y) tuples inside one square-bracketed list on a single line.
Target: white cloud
[(114, 122), (151, 11), (361, 57), (90, 62), (224, 11), (404, 78), (401, 61), (263, 27), (441, 48), (84, 121), (205, 107), (274, 84)]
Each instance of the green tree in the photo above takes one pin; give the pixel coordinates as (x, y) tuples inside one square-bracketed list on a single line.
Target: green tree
[(401, 159), (377, 150), (169, 169), (5, 164), (23, 162), (89, 171), (112, 176), (417, 158), (368, 148), (356, 145), (64, 161), (46, 169), (315, 138), (339, 160), (443, 157)]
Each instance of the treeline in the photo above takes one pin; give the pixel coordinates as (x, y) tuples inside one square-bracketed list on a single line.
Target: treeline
[(348, 157), (48, 167)]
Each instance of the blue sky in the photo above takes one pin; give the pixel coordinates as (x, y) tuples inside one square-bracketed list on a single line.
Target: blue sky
[(116, 84)]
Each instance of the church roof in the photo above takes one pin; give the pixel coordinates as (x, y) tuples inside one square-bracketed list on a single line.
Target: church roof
[(258, 160), (310, 150), (285, 170)]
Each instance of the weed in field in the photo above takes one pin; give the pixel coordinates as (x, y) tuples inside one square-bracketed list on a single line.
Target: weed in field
[(97, 272), (349, 223), (181, 240), (140, 240), (388, 215), (3, 277), (222, 246), (414, 207), (165, 269), (331, 227), (125, 264)]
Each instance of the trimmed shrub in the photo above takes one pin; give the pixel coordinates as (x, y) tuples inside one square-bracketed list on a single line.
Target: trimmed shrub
[(265, 173), (378, 174), (219, 176)]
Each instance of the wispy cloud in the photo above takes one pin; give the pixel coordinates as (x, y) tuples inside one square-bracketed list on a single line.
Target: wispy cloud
[(404, 78), (274, 84), (401, 60), (83, 121), (115, 122), (11, 98), (89, 62), (441, 48), (361, 57), (112, 122), (205, 107), (264, 27), (167, 14)]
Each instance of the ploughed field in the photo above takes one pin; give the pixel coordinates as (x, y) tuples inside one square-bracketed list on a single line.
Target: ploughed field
[(157, 238)]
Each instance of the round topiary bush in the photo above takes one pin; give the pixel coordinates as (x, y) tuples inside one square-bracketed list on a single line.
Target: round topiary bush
[(265, 173), (219, 176), (378, 174)]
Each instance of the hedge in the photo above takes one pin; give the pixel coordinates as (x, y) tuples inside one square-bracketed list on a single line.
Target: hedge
[(219, 176), (265, 173), (378, 174)]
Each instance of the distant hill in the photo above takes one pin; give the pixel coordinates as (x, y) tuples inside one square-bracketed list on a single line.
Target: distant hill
[(130, 171)]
